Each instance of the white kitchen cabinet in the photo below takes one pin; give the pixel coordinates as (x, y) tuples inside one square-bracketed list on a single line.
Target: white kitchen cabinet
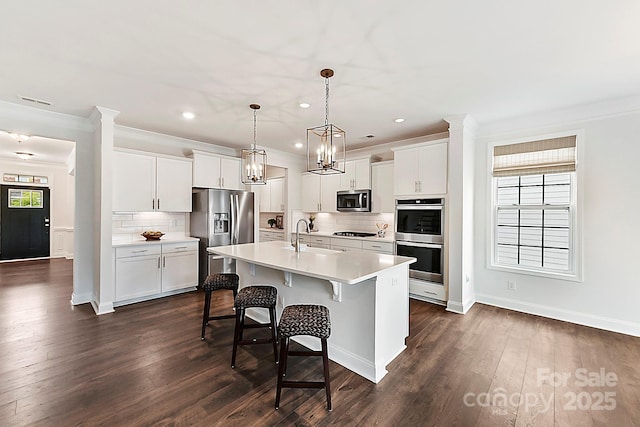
[(137, 272), (313, 241), (421, 170), (143, 183), (378, 247), (150, 270), (179, 265), (215, 171), (382, 198), (346, 245), (276, 187), (356, 176), (319, 192), (272, 195), (271, 235)]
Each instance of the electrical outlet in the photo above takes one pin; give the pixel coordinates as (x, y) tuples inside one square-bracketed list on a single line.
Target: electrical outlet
[(511, 285)]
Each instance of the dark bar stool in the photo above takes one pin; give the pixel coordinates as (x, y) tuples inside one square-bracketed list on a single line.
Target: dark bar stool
[(310, 320), (255, 296), (215, 282)]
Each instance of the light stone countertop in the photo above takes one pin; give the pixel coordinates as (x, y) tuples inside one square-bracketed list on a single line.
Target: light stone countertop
[(344, 267), (389, 237), (142, 241)]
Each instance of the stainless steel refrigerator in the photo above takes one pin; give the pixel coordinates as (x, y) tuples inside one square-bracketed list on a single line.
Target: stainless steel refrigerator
[(220, 218)]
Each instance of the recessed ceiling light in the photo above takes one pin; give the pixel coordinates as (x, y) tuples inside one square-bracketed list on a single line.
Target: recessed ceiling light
[(188, 115), (337, 135), (19, 137), (24, 156), (304, 105), (299, 144), (399, 120)]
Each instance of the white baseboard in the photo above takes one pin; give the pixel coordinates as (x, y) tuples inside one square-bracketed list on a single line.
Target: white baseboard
[(606, 323), (102, 308), (456, 307), (83, 298)]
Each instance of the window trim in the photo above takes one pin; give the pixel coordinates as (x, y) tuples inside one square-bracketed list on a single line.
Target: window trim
[(576, 232)]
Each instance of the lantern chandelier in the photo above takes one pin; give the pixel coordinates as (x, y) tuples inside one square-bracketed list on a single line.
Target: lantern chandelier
[(254, 161), (326, 143)]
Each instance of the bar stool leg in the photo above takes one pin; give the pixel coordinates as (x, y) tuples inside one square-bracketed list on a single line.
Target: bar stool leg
[(272, 318), (325, 364), (205, 314), (284, 348), (237, 336)]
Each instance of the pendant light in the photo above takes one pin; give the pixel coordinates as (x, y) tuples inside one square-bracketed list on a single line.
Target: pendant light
[(254, 161), (326, 144)]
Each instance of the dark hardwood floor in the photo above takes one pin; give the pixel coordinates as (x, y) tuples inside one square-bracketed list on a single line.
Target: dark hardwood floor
[(145, 365)]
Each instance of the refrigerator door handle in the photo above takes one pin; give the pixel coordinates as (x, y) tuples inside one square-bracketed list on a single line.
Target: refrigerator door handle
[(236, 227)]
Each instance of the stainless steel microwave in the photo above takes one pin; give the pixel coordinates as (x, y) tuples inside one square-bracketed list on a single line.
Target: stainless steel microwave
[(354, 201)]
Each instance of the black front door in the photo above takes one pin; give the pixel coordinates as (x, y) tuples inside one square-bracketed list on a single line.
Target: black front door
[(24, 222)]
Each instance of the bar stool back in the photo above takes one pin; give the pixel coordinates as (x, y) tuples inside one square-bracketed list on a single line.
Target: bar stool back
[(255, 296), (216, 282), (312, 320)]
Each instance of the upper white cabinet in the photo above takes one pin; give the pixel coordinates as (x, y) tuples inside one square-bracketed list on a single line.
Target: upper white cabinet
[(319, 192), (272, 195), (215, 171), (382, 198), (421, 170), (143, 182), (356, 176)]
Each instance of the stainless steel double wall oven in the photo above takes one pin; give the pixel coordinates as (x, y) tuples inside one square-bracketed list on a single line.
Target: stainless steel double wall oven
[(419, 233)]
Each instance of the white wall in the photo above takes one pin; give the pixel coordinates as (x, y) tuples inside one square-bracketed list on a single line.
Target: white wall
[(609, 294)]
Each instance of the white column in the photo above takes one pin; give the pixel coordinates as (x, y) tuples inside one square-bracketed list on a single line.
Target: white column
[(460, 213), (103, 284)]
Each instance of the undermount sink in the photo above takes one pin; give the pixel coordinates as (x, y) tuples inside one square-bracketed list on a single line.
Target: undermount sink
[(312, 250)]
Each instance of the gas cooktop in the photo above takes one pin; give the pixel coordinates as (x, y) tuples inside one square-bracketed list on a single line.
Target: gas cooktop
[(353, 234)]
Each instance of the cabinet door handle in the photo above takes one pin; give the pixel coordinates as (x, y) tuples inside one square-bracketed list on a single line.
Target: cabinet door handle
[(158, 204), (153, 204), (164, 261), (139, 252), (223, 181), (180, 247), (430, 293), (158, 262)]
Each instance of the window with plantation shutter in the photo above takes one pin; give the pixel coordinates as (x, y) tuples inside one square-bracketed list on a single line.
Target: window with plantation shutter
[(534, 206)]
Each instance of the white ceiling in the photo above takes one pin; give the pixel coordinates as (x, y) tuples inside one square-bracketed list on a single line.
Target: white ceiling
[(43, 149), (416, 59)]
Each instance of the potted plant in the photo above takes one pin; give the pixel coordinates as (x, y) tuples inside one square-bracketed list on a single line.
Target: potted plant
[(271, 222), (311, 219)]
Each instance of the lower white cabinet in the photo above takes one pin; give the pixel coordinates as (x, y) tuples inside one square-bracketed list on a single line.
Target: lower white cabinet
[(149, 269), (426, 291), (313, 241), (346, 245), (271, 235), (379, 247)]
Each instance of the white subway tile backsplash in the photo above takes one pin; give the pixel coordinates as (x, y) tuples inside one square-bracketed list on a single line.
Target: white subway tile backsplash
[(125, 226)]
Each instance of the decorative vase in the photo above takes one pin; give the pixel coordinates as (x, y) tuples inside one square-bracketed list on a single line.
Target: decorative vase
[(310, 225)]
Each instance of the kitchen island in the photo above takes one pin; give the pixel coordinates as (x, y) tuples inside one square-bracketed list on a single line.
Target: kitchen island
[(367, 295)]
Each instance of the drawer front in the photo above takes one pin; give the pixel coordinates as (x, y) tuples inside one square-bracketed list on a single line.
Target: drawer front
[(426, 289), (382, 247), (169, 248), (346, 243), (139, 250), (317, 240), (345, 249)]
